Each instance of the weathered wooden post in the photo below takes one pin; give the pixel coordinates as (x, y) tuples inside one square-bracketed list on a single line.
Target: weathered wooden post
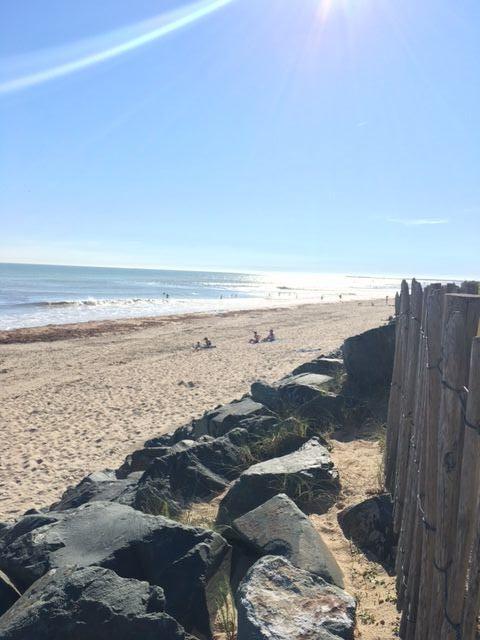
[(412, 525), (472, 601), (468, 523), (427, 498), (404, 539), (460, 322), (408, 402), (396, 390)]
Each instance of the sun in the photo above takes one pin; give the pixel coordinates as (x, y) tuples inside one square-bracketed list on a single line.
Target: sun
[(327, 7)]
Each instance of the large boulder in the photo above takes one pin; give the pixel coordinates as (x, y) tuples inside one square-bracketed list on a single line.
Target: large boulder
[(270, 437), (184, 432), (226, 417), (307, 396), (141, 459), (152, 496), (369, 525), (182, 560), (201, 471), (323, 366), (174, 477), (278, 527), (278, 601), (99, 486), (307, 476), (8, 594), (89, 604), (369, 357)]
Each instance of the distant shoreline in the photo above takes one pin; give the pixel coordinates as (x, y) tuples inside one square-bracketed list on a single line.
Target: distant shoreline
[(91, 328)]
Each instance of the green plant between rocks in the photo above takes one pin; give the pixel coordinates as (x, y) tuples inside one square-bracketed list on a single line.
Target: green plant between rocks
[(226, 620)]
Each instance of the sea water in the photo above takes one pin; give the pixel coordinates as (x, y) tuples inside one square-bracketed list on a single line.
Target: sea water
[(37, 295)]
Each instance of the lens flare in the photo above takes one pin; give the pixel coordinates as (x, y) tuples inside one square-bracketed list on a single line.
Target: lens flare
[(85, 54)]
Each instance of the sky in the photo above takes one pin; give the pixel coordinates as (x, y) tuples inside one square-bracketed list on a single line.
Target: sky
[(315, 135)]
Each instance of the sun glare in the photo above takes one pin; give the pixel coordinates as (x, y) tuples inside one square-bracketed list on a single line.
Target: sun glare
[(328, 7)]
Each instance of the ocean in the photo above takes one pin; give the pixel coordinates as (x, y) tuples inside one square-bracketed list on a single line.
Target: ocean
[(37, 295)]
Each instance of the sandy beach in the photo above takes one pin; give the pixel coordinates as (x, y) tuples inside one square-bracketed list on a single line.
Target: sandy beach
[(78, 404)]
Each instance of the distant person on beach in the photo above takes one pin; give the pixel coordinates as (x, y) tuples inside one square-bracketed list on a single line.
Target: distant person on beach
[(270, 337), (255, 339), (207, 344)]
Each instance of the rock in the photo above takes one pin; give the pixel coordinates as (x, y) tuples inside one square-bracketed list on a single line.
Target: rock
[(140, 460), (201, 471), (226, 417), (305, 395), (182, 560), (266, 394), (322, 365), (102, 485), (278, 527), (369, 357), (154, 496), (270, 437), (151, 496), (89, 604), (277, 601), (307, 476), (168, 439), (8, 594), (369, 525)]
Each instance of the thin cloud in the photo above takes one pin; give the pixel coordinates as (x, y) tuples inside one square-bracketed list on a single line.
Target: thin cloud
[(418, 222)]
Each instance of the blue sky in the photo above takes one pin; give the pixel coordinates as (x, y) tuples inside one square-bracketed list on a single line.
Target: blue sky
[(335, 135)]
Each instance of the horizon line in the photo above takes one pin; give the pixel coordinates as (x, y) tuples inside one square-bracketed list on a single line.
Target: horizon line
[(245, 271)]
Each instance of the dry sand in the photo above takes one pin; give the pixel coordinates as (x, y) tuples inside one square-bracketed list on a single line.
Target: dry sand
[(81, 404), (359, 463)]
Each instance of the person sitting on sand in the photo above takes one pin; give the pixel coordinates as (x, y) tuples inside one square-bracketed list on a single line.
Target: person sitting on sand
[(270, 337), (208, 344), (255, 339), (197, 346)]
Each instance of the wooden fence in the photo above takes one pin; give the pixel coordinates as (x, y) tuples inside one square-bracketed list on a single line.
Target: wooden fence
[(432, 460)]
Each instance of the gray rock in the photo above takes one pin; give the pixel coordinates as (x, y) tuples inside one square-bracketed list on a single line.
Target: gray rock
[(89, 604), (307, 476), (201, 471), (226, 417), (278, 601), (8, 594), (141, 459), (182, 560), (152, 496), (270, 437), (266, 394), (369, 525), (322, 365), (172, 437), (369, 357), (278, 527), (102, 485), (306, 395)]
